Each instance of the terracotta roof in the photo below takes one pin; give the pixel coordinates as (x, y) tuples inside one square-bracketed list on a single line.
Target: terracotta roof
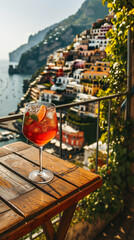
[(95, 72), (48, 91)]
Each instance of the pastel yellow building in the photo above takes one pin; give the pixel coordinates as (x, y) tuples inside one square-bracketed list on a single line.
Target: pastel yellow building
[(91, 76), (60, 62), (98, 66), (93, 88)]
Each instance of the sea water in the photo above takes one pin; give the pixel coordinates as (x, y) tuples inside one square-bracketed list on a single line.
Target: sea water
[(11, 89), (11, 92)]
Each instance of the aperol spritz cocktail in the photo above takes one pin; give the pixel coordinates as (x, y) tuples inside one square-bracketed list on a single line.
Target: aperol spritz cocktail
[(40, 126)]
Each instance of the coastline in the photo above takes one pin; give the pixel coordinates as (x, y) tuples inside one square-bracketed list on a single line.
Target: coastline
[(11, 89)]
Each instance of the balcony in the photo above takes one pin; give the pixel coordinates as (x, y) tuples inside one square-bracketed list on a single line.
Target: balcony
[(61, 108), (126, 216)]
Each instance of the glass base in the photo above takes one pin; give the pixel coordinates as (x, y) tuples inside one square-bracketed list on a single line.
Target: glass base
[(43, 176)]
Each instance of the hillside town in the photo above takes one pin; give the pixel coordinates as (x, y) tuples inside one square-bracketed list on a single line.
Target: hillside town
[(74, 74)]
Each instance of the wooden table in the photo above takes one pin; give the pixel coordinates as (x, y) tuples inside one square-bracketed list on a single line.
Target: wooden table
[(25, 205)]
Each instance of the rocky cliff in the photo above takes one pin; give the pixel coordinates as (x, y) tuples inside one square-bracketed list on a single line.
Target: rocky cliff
[(33, 40)]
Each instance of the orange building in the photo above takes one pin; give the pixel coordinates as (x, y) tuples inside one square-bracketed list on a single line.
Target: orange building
[(54, 71), (97, 56), (71, 136), (87, 75)]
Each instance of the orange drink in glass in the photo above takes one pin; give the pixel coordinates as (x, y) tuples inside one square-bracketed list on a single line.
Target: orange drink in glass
[(40, 126)]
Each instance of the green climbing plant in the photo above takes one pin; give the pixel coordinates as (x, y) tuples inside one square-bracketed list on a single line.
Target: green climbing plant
[(109, 198)]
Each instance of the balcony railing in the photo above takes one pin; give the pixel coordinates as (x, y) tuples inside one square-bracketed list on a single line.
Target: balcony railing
[(60, 108)]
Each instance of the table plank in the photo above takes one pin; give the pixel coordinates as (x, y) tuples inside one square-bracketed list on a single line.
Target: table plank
[(8, 218), (4, 151), (17, 146), (11, 186)]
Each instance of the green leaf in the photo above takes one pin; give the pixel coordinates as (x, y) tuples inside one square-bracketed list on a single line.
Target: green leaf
[(34, 117)]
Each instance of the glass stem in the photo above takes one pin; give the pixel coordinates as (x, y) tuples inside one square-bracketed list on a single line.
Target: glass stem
[(40, 159)]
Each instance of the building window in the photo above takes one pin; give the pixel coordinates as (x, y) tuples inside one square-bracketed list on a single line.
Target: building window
[(82, 108)]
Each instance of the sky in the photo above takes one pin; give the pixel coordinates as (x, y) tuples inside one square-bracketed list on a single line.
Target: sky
[(21, 18)]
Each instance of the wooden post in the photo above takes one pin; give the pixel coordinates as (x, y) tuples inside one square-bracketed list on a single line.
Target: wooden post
[(130, 193), (131, 111), (132, 98), (132, 83)]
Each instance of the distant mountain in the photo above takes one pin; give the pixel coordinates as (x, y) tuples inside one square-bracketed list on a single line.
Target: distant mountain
[(90, 11), (61, 35)]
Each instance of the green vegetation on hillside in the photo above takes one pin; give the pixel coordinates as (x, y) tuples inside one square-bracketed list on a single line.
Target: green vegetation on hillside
[(85, 124)]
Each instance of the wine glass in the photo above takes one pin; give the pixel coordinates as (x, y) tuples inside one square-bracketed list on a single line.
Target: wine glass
[(40, 126)]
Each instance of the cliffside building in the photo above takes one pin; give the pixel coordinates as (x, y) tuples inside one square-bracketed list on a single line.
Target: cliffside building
[(89, 110), (71, 136), (61, 83)]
